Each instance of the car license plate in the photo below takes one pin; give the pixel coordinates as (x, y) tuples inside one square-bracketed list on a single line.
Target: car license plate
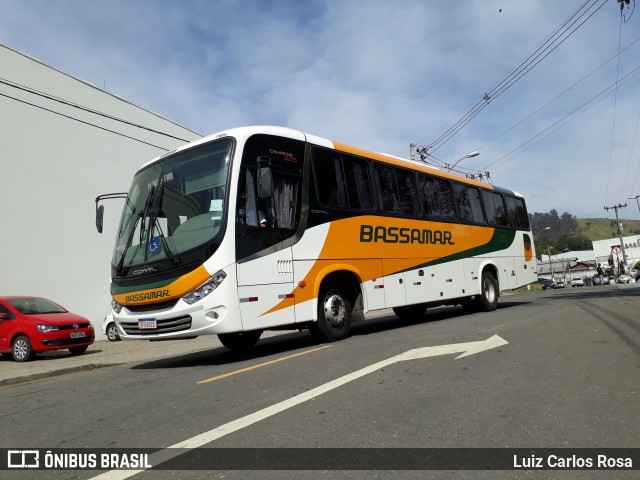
[(78, 334), (147, 324)]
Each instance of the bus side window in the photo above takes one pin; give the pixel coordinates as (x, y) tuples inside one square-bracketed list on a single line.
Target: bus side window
[(468, 203), (330, 185), (437, 198), (284, 204), (511, 211), (407, 191), (494, 206), (357, 183), (523, 216), (386, 179)]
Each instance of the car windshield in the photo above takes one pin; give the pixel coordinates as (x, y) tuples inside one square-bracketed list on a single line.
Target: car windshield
[(35, 306), (174, 205)]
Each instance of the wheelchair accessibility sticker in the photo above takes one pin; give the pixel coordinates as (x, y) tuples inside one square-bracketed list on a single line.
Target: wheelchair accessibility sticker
[(154, 245)]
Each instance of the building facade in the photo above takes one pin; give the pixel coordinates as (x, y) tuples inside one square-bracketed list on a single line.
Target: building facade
[(63, 143)]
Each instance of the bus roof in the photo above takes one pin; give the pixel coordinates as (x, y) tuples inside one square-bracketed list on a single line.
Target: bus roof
[(242, 133)]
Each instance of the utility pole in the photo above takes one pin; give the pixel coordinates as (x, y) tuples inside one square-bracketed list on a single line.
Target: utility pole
[(619, 228)]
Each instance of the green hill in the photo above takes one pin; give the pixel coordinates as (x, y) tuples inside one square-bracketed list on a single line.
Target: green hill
[(603, 228)]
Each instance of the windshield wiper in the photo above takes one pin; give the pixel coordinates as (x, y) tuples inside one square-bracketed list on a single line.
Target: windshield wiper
[(141, 215), (153, 223), (145, 212), (119, 269)]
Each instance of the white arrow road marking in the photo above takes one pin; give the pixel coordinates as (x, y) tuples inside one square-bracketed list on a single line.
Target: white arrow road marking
[(465, 349)]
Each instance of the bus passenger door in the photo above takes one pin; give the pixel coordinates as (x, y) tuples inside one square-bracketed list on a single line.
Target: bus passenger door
[(265, 287), (268, 216)]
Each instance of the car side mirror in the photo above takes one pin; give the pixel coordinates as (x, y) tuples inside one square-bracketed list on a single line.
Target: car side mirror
[(3, 317)]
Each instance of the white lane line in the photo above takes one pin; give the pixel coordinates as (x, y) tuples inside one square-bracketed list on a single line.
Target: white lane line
[(464, 349)]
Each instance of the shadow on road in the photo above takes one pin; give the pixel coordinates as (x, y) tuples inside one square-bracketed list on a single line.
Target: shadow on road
[(290, 342)]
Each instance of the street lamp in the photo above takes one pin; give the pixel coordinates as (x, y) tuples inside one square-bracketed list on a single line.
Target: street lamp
[(637, 201), (475, 153), (545, 228)]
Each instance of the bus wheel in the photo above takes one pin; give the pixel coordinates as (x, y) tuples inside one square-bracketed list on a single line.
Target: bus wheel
[(334, 316), (410, 311), (487, 301), (241, 340)]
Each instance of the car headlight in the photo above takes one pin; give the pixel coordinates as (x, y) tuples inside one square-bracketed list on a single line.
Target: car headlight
[(116, 306), (206, 288), (47, 328)]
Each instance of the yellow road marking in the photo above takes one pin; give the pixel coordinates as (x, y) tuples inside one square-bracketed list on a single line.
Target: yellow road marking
[(225, 375)]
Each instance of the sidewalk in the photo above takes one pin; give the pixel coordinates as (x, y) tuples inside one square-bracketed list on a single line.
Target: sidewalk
[(101, 354), (105, 354)]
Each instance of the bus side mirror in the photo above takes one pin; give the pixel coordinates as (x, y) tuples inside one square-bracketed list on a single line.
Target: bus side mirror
[(99, 217), (100, 208), (265, 178)]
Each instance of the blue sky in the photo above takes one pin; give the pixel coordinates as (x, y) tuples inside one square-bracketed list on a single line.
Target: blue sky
[(374, 74)]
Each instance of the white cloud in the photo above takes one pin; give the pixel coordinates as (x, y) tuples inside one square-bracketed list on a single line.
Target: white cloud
[(375, 74)]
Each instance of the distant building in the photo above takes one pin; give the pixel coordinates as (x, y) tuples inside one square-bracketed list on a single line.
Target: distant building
[(604, 250), (61, 146), (566, 265)]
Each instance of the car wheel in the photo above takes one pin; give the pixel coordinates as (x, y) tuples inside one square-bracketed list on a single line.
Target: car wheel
[(21, 349), (78, 350), (334, 316), (240, 341), (112, 333), (487, 301)]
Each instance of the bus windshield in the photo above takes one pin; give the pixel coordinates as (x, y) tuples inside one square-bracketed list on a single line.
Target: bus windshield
[(174, 205)]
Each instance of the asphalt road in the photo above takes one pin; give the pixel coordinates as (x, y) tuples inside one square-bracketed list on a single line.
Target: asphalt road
[(565, 375)]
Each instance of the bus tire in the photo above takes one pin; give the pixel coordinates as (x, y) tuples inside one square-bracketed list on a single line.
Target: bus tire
[(334, 316), (410, 312), (487, 301), (240, 341)]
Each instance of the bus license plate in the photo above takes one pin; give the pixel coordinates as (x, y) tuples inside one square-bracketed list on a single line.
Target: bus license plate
[(78, 334), (147, 324)]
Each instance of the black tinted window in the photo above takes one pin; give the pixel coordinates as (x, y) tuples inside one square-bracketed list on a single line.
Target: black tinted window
[(436, 197), (357, 183), (468, 203), (330, 181), (389, 198), (494, 206), (523, 216)]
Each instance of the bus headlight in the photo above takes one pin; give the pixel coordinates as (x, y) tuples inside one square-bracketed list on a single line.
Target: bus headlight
[(116, 306), (206, 288)]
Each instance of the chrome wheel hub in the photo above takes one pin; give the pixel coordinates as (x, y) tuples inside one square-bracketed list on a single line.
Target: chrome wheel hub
[(334, 309)]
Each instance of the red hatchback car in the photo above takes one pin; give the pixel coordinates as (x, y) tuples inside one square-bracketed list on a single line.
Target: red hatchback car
[(30, 325)]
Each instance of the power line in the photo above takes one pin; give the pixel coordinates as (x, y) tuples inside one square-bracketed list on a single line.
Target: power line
[(592, 101), (82, 121), (613, 117), (558, 96), (33, 91), (552, 42)]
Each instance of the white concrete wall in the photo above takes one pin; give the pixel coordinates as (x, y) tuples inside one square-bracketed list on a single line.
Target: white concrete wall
[(602, 249), (51, 170)]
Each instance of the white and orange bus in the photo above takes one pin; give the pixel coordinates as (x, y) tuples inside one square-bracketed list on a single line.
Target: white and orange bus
[(260, 228)]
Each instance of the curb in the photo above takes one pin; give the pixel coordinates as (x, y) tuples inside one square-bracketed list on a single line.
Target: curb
[(54, 373)]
